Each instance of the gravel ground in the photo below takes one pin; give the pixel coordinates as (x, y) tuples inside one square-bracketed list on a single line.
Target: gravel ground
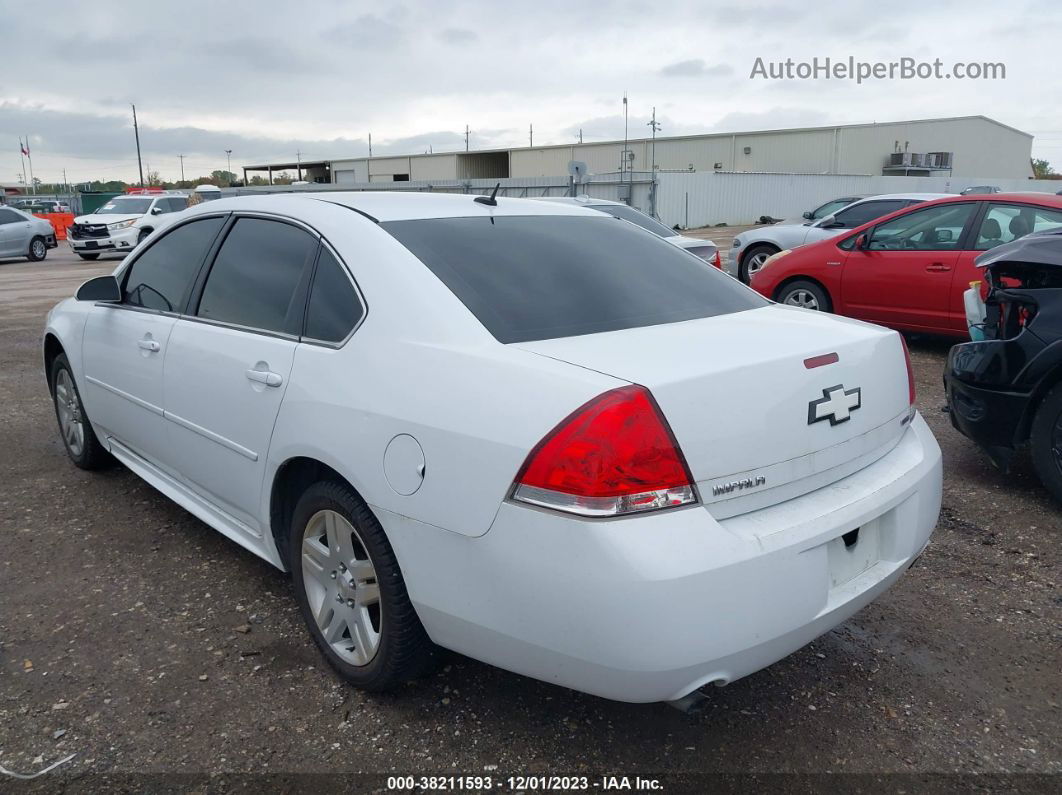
[(136, 637)]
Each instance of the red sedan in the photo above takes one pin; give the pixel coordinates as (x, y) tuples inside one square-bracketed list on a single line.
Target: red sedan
[(907, 270)]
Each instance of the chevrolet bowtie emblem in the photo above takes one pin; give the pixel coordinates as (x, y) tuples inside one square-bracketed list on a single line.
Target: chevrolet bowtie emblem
[(835, 405)]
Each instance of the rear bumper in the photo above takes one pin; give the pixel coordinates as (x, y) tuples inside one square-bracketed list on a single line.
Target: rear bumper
[(654, 607), (989, 417)]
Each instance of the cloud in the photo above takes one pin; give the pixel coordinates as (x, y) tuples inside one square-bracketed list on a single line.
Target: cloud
[(696, 67), (772, 119), (458, 36)]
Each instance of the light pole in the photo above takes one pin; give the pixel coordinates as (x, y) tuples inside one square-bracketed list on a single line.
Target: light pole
[(228, 163), (182, 167)]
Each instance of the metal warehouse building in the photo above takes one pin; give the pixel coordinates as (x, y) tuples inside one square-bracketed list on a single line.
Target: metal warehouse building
[(966, 146)]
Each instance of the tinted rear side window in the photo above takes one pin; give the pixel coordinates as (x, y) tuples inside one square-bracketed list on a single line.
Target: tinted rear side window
[(162, 275), (255, 278), (541, 277), (334, 308), (868, 211)]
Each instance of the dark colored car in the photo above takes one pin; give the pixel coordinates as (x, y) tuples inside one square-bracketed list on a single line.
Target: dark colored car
[(1006, 391)]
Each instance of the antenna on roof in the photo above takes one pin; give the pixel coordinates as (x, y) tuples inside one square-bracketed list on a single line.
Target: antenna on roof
[(489, 200)]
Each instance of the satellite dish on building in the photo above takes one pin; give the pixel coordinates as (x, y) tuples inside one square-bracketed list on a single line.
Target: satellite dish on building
[(577, 169)]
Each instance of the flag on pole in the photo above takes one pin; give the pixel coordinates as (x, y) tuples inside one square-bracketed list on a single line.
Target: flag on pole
[(24, 147)]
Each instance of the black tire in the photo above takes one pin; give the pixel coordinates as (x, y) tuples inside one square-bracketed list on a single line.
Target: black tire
[(763, 250), (1046, 438), (142, 236), (807, 294), (38, 250), (88, 256), (404, 652), (92, 454)]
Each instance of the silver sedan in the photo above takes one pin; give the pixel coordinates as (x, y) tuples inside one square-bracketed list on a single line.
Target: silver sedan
[(23, 235)]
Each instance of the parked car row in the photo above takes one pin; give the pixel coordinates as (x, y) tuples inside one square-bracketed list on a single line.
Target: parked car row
[(908, 269)]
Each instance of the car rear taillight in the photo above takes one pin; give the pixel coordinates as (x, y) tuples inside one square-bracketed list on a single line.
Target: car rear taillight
[(910, 374), (614, 455)]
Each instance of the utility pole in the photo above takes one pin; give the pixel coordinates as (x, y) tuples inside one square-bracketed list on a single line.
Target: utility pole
[(467, 133), (656, 126), (228, 161), (298, 161), (29, 157), (580, 135), (623, 163), (22, 149), (652, 185), (136, 132), (370, 144), (531, 135), (182, 167)]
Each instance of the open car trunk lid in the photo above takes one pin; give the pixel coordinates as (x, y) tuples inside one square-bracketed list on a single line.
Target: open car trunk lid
[(755, 421)]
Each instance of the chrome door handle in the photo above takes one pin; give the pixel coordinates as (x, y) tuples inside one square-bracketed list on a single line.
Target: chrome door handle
[(149, 345), (265, 377)]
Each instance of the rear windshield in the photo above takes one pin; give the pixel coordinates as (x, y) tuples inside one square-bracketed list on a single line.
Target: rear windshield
[(635, 217), (541, 277)]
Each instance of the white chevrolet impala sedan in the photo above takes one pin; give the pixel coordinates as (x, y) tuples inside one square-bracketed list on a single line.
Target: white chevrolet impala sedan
[(531, 433)]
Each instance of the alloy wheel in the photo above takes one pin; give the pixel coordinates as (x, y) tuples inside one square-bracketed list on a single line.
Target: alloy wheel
[(38, 249), (341, 587), (756, 262), (71, 419), (803, 299)]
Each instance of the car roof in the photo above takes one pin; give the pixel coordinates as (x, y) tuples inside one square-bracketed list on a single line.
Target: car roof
[(579, 201), (907, 196), (399, 205)]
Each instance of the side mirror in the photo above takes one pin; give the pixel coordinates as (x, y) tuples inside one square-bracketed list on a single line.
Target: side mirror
[(102, 288), (861, 242), (809, 215), (156, 210)]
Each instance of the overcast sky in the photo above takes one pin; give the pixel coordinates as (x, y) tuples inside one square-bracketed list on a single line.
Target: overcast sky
[(269, 79)]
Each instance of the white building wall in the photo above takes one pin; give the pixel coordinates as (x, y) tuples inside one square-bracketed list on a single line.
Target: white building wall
[(433, 167), (549, 162)]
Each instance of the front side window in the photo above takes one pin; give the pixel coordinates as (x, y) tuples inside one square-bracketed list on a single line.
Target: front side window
[(932, 229), (859, 214), (162, 275), (255, 278), (541, 277), (829, 208), (334, 309), (9, 217)]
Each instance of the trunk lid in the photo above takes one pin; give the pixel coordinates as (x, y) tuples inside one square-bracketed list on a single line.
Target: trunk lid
[(755, 424)]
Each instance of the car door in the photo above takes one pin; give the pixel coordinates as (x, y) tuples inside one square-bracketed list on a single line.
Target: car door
[(230, 358), (903, 274), (15, 233), (125, 343)]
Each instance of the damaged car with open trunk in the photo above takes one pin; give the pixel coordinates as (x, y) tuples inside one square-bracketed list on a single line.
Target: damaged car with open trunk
[(1004, 390)]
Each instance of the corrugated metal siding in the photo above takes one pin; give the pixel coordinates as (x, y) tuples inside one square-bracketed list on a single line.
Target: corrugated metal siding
[(433, 167), (539, 162), (383, 168)]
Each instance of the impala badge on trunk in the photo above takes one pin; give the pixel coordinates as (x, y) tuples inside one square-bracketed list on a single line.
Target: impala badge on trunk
[(835, 405)]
